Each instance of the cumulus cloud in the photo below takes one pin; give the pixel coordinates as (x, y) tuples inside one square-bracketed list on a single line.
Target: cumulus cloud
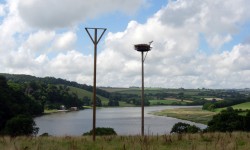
[(218, 20), (2, 12), (11, 27), (64, 13), (40, 40), (65, 41), (176, 60)]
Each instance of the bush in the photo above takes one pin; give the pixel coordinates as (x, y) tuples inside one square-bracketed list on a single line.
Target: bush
[(193, 129), (181, 127), (102, 131), (21, 125), (229, 120), (45, 134)]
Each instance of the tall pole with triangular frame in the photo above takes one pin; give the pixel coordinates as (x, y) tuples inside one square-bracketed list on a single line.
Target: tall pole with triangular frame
[(95, 41)]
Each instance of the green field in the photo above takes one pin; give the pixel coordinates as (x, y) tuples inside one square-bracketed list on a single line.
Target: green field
[(191, 114), (242, 106), (124, 104), (148, 90), (81, 93), (200, 141), (137, 91), (167, 102)]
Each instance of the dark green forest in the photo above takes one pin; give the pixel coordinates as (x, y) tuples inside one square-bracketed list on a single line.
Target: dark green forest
[(23, 97), (13, 103)]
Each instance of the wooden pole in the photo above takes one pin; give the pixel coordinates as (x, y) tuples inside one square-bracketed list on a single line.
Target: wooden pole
[(95, 42), (142, 95)]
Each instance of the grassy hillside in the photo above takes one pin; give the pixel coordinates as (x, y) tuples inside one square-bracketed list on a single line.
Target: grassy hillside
[(242, 106), (81, 93), (206, 141), (133, 90), (188, 92)]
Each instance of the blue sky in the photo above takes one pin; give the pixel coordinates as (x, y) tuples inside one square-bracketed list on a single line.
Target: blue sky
[(118, 21), (197, 43)]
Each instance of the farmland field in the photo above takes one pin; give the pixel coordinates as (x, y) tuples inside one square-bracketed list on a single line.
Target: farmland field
[(242, 106), (167, 102)]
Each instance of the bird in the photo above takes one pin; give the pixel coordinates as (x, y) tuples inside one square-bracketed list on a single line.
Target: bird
[(150, 42)]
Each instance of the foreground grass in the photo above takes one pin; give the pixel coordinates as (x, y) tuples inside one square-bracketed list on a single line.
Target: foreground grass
[(202, 141), (191, 114)]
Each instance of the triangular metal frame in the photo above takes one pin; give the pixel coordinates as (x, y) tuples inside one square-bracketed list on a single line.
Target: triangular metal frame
[(95, 40)]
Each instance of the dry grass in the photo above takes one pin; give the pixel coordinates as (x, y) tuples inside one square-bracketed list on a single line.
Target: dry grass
[(192, 114), (206, 141), (217, 99)]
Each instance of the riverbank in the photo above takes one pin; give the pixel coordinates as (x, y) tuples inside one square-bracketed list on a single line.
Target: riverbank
[(201, 141), (191, 114)]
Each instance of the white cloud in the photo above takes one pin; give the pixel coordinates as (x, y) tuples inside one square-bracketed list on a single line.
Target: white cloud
[(2, 12), (11, 28), (65, 41), (176, 59), (235, 60), (216, 41), (63, 13), (40, 40), (218, 20), (71, 65)]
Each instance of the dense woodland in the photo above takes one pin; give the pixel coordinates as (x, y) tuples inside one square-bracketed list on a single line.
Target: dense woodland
[(23, 97)]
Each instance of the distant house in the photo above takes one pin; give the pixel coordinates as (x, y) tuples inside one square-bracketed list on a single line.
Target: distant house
[(62, 107), (213, 100), (73, 109)]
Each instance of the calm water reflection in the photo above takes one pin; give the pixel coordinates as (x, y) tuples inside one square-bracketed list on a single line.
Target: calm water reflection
[(125, 121)]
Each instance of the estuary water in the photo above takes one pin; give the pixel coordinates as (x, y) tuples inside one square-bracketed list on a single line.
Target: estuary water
[(124, 120)]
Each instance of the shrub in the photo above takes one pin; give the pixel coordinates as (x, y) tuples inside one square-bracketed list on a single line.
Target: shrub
[(181, 127), (102, 131), (45, 134), (229, 120), (21, 125)]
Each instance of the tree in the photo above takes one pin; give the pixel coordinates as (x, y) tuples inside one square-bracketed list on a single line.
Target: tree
[(86, 101), (21, 125), (3, 82), (227, 120), (181, 127), (181, 96), (113, 102), (193, 129), (98, 102)]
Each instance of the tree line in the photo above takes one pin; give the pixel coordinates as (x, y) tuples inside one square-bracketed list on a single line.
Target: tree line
[(20, 78), (16, 110)]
